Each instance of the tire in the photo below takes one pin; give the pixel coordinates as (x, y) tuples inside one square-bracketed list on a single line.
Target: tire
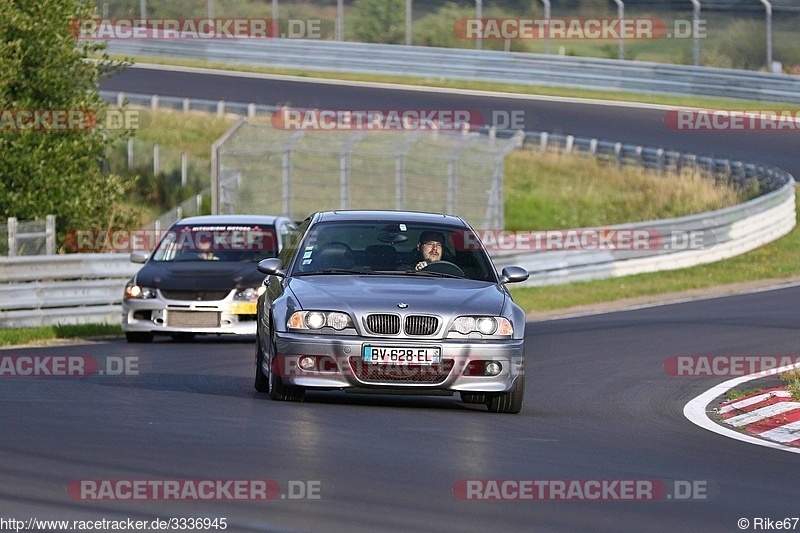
[(261, 383), (284, 393), (473, 397), (511, 401), (182, 337), (272, 383), (138, 336)]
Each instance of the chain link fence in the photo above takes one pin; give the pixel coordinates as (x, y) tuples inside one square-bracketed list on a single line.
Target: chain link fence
[(731, 33), (263, 169)]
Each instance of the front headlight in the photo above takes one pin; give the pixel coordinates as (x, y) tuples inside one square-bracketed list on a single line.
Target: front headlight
[(137, 292), (316, 320), (485, 325), (249, 294)]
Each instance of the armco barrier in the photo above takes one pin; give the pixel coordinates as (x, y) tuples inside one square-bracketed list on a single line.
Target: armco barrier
[(63, 289), (476, 65)]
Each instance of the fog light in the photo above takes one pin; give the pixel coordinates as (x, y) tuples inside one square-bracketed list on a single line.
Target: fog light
[(307, 363), (493, 368)]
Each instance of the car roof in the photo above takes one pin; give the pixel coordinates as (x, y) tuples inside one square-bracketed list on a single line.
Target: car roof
[(389, 216), (206, 220)]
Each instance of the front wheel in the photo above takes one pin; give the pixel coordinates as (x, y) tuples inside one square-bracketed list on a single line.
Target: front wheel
[(261, 383), (284, 393), (511, 401)]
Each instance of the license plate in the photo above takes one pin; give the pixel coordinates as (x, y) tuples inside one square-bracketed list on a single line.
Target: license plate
[(402, 355), (243, 308)]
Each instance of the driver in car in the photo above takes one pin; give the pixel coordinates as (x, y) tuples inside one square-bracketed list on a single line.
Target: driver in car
[(430, 248)]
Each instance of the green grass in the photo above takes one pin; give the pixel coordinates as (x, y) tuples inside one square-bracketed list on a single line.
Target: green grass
[(734, 394), (774, 261), (792, 379), (9, 337), (193, 132), (551, 191)]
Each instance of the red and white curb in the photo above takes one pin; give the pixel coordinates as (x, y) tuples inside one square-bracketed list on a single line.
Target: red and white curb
[(769, 418), (771, 414)]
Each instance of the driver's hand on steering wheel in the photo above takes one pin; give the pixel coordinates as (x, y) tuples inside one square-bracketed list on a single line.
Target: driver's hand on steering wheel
[(421, 265)]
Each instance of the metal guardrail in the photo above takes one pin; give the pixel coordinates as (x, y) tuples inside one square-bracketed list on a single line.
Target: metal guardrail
[(477, 65), (63, 289)]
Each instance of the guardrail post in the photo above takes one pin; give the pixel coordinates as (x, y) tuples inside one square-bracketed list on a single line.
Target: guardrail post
[(50, 238), (344, 180), (660, 160), (593, 147), (618, 155), (639, 158), (186, 105), (155, 159), (154, 102), (130, 153), (120, 99), (221, 108), (569, 145), (179, 212), (12, 236), (184, 169), (251, 110), (199, 202), (543, 141)]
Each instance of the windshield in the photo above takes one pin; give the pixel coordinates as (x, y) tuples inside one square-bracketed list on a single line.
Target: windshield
[(393, 248), (217, 243)]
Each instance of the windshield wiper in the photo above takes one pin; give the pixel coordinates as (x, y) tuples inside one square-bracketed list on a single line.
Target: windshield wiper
[(436, 274), (332, 271)]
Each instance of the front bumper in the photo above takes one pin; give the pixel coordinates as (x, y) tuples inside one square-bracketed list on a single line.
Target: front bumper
[(341, 365), (162, 315)]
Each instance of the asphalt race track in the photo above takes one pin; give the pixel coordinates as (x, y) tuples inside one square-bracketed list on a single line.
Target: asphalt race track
[(599, 403), (599, 406)]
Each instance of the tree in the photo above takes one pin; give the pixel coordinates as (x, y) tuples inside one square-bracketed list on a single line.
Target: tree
[(43, 69), (379, 21)]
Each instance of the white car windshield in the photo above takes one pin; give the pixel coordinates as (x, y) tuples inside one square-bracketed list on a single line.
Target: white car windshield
[(217, 243)]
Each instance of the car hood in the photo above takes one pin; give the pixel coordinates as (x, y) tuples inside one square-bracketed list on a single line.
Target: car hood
[(196, 275), (374, 293)]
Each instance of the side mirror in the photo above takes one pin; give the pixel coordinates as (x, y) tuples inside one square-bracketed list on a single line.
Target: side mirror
[(139, 257), (271, 267), (513, 274)]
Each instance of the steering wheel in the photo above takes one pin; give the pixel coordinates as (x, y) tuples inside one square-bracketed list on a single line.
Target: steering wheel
[(444, 267)]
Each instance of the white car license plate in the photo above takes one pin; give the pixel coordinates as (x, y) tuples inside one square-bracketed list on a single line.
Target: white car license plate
[(402, 355)]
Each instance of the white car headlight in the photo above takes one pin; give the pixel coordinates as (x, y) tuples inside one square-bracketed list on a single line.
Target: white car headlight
[(485, 325), (249, 294), (316, 320), (137, 292)]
